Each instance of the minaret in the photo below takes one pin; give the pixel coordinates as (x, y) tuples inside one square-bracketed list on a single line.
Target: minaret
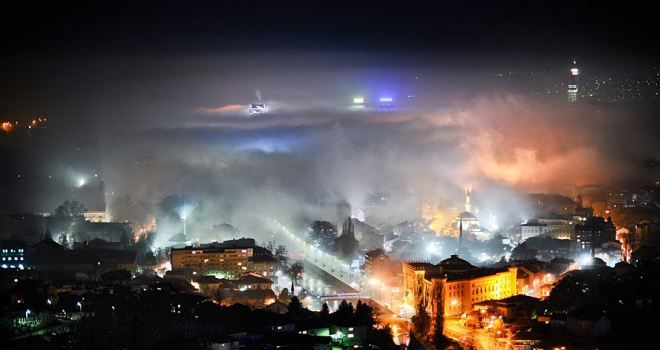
[(468, 206), (460, 233), (183, 219)]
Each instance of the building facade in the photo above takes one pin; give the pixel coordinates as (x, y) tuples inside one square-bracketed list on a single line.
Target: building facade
[(454, 285), (376, 264), (222, 262), (227, 260)]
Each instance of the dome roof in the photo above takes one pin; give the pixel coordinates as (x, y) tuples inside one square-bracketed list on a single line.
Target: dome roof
[(179, 237), (454, 263), (466, 215), (597, 262)]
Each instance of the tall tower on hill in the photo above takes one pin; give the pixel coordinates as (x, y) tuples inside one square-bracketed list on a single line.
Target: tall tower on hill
[(573, 84)]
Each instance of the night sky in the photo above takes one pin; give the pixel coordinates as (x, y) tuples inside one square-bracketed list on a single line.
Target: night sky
[(172, 80)]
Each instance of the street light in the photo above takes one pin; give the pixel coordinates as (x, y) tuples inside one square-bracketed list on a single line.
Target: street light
[(80, 306), (27, 313)]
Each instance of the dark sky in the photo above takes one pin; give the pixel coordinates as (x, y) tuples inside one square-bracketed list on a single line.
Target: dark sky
[(453, 28), (172, 80)]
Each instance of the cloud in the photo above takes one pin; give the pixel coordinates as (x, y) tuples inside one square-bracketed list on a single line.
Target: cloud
[(312, 150)]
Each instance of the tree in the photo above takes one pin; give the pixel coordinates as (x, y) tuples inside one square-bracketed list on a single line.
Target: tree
[(321, 233), (70, 209), (64, 242), (296, 271), (270, 246), (439, 338), (280, 252), (295, 306), (381, 338), (523, 252), (364, 314), (422, 320), (284, 296), (325, 311), (344, 313), (282, 255), (217, 295), (63, 218)]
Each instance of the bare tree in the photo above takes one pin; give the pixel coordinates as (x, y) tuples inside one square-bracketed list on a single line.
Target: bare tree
[(295, 272)]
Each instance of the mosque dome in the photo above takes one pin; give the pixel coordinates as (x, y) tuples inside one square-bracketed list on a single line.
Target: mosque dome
[(467, 216), (454, 263), (179, 240)]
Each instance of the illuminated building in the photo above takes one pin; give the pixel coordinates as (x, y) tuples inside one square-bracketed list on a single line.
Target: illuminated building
[(385, 102), (228, 259), (216, 261), (469, 221), (573, 85), (263, 262), (258, 108), (533, 279), (13, 254), (554, 229), (376, 264), (548, 248), (253, 281), (179, 240), (457, 283), (95, 216)]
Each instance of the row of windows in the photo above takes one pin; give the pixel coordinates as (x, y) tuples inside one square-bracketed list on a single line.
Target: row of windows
[(227, 256), (20, 250), (16, 258)]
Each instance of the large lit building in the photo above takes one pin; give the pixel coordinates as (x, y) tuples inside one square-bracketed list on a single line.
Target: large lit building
[(219, 261), (573, 85), (13, 254), (376, 264), (228, 259), (456, 283)]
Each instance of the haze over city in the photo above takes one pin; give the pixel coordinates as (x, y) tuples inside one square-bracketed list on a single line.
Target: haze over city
[(329, 175), (161, 90)]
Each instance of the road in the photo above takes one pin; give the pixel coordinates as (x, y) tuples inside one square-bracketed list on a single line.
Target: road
[(478, 337), (325, 276)]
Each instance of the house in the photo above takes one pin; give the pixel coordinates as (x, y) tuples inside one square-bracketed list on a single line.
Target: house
[(526, 340), (208, 284), (588, 322), (253, 281)]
